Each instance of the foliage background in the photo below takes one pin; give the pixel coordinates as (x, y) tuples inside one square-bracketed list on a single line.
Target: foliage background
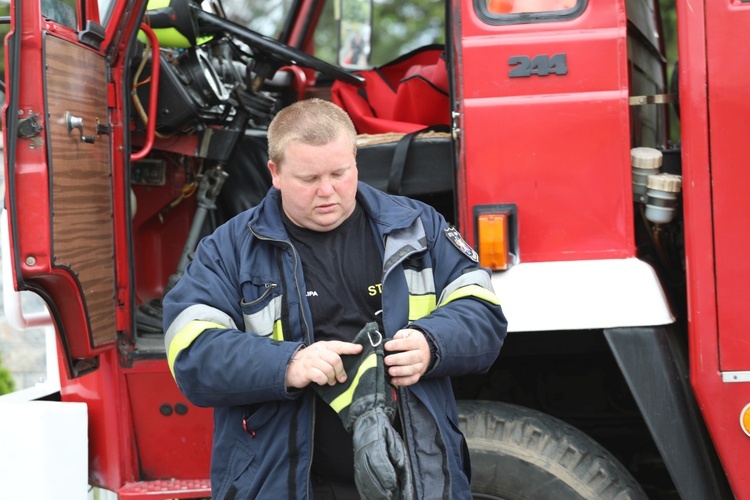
[(669, 23), (7, 384)]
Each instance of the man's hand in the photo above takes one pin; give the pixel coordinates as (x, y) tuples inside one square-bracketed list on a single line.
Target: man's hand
[(411, 358), (319, 363)]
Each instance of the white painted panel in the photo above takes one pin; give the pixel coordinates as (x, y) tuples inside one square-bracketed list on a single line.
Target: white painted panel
[(43, 450), (578, 295)]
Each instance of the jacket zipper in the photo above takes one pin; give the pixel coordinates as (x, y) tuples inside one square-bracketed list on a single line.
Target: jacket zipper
[(296, 278), (309, 340), (269, 289), (400, 390)]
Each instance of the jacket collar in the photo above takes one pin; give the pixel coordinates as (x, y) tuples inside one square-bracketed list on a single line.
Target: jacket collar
[(265, 219), (386, 212)]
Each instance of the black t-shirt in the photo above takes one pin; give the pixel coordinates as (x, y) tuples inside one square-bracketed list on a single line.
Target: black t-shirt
[(343, 271)]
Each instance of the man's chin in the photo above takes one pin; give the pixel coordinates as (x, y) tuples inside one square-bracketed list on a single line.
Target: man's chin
[(326, 223)]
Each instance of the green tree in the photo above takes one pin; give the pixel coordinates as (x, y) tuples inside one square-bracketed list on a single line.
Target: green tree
[(7, 384), (669, 24), (402, 26), (399, 26), (4, 29)]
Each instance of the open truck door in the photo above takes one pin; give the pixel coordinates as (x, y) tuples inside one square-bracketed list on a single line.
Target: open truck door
[(59, 171), (67, 156)]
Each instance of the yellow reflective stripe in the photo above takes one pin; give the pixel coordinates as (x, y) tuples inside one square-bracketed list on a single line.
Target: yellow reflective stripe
[(278, 333), (345, 398), (475, 291), (421, 305), (185, 337), (422, 298)]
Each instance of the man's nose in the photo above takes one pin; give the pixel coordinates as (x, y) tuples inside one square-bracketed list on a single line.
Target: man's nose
[(325, 188)]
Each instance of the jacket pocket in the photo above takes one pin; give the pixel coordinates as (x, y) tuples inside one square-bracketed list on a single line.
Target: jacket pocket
[(261, 309), (239, 465), (239, 480), (257, 416), (462, 445)]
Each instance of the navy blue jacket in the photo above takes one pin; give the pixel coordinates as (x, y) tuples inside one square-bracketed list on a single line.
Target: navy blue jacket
[(239, 313)]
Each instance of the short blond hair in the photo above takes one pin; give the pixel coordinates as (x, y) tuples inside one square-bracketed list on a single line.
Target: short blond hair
[(314, 122)]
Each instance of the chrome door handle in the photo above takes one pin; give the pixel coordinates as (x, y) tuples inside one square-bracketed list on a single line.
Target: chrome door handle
[(76, 123)]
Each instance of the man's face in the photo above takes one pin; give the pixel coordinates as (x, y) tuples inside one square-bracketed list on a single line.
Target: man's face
[(318, 184)]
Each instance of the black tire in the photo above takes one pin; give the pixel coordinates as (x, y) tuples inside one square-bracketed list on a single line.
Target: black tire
[(518, 453)]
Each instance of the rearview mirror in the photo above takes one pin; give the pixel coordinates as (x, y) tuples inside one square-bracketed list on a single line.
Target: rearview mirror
[(355, 33)]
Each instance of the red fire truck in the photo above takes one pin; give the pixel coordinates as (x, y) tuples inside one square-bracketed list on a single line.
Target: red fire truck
[(132, 129)]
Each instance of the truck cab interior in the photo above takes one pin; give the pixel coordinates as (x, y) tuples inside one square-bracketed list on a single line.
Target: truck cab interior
[(219, 84)]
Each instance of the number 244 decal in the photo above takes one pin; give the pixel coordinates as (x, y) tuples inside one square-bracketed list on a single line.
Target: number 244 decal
[(540, 65)]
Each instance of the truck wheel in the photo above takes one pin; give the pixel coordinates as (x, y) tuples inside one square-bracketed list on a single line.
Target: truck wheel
[(518, 453)]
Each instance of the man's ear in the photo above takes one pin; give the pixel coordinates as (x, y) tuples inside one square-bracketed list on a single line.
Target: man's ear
[(274, 169)]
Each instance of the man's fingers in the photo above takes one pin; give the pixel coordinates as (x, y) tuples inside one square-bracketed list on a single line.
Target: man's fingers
[(409, 359), (320, 363), (405, 370), (318, 376), (331, 353), (404, 381), (399, 345), (341, 347), (406, 340), (406, 357), (335, 349)]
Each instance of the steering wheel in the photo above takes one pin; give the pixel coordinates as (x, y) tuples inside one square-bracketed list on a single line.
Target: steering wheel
[(270, 53)]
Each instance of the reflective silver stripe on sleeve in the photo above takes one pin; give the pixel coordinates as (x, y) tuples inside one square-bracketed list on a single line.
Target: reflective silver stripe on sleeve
[(420, 282), (197, 312), (262, 322), (478, 277)]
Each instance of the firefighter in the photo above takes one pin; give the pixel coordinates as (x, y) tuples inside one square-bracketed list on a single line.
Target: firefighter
[(270, 307)]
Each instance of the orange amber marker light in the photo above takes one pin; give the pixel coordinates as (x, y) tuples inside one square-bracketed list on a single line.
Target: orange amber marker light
[(745, 419), (493, 241)]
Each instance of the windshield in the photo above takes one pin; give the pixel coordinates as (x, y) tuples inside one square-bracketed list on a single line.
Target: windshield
[(267, 18), (408, 24), (399, 26)]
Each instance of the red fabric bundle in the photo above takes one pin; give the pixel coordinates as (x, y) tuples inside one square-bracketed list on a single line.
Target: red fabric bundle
[(405, 95)]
